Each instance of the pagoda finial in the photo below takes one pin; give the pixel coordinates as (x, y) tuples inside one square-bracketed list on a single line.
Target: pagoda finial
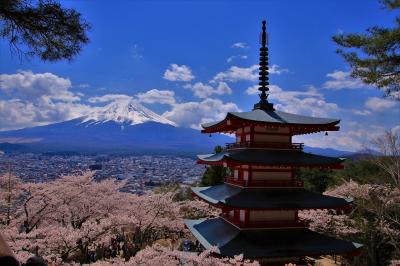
[(263, 103)]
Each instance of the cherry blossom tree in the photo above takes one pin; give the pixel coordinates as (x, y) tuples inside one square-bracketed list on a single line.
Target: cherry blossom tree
[(389, 145), (63, 220), (374, 220), (9, 191), (159, 255)]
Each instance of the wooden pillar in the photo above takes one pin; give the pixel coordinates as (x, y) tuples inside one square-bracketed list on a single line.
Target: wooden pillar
[(251, 135), (247, 218), (236, 214)]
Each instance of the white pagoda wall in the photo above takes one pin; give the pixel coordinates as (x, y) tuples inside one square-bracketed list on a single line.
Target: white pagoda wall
[(271, 176), (271, 138), (276, 134), (271, 216), (279, 130)]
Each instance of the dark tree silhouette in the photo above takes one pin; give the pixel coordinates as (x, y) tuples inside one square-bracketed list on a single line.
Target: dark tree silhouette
[(214, 175), (374, 56), (44, 29)]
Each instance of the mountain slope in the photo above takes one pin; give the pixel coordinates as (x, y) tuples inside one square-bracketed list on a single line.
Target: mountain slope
[(120, 127), (123, 126), (327, 151), (125, 112)]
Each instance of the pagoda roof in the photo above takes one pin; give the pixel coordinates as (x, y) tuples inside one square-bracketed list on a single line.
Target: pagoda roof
[(304, 124), (271, 157), (267, 198), (264, 243)]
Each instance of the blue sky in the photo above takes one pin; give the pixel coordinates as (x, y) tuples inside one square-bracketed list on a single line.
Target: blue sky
[(192, 61)]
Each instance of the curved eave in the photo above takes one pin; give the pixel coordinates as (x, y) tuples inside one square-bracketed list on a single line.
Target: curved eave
[(190, 224), (226, 195), (264, 243), (197, 192), (229, 162), (270, 158), (232, 121)]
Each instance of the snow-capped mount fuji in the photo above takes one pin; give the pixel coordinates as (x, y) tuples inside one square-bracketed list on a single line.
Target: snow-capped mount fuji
[(125, 112), (123, 126)]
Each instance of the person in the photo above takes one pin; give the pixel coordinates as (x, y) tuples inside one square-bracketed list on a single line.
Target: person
[(35, 261), (6, 255)]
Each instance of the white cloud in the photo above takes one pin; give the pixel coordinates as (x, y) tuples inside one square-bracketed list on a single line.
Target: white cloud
[(28, 99), (29, 86), (84, 85), (223, 88), (379, 104), (16, 113), (202, 90), (240, 45), (342, 80), (252, 90), (178, 73), (31, 99), (157, 96), (396, 130), (235, 73), (395, 95), (233, 57), (192, 114), (275, 69), (308, 102), (353, 136), (109, 98), (361, 112)]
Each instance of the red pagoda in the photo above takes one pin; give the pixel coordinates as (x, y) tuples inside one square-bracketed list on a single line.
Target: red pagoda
[(261, 200)]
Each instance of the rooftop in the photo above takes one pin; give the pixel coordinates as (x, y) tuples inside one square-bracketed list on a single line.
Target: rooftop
[(268, 198), (299, 124), (271, 157), (231, 241)]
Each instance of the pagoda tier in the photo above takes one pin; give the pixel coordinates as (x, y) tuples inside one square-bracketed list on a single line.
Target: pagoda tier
[(267, 157), (272, 119), (256, 198), (266, 243)]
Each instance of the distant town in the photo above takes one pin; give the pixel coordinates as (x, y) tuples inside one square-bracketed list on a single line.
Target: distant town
[(140, 172)]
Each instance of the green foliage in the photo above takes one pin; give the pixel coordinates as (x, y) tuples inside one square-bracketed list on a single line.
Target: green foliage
[(44, 29), (374, 56), (171, 187), (363, 171), (181, 193), (391, 4), (375, 210), (316, 180), (214, 174), (373, 215)]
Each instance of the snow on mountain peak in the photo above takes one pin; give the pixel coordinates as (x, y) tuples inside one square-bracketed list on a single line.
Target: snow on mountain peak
[(125, 111)]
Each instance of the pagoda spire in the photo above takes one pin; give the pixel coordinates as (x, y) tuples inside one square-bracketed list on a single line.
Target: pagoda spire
[(263, 73)]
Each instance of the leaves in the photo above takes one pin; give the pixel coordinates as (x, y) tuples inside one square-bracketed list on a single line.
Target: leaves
[(374, 56), (46, 30)]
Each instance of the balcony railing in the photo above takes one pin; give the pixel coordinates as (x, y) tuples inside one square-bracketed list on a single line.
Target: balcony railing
[(265, 183), (270, 145), (264, 224)]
